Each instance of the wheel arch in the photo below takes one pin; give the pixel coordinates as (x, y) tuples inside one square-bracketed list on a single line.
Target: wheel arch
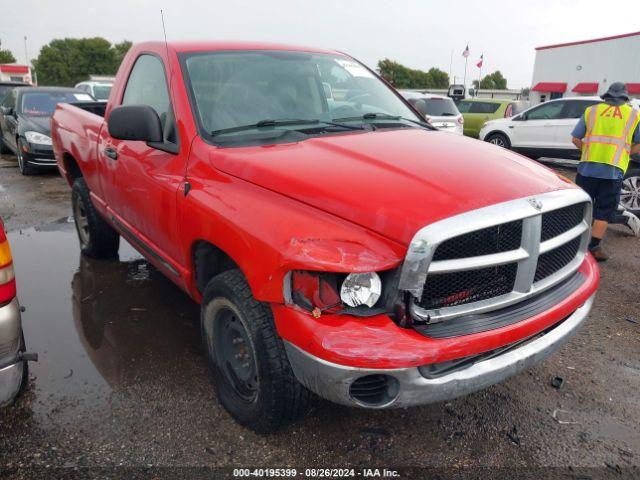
[(207, 261), (71, 167), (494, 132)]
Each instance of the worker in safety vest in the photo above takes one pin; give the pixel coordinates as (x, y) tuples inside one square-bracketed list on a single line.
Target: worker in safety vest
[(607, 136)]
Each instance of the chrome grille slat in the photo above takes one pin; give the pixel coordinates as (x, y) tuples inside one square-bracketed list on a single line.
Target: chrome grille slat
[(536, 243)]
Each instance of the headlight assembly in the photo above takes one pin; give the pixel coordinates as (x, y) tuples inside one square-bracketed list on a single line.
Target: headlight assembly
[(361, 289), (37, 138), (328, 292)]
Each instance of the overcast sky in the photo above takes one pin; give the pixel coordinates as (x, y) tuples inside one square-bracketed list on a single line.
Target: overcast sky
[(418, 33)]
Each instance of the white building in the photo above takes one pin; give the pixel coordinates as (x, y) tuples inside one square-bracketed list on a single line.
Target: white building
[(586, 67), (11, 72)]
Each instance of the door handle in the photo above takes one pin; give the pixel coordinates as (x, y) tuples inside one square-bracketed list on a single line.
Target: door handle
[(111, 153)]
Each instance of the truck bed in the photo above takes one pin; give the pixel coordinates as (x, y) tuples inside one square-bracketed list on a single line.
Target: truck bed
[(97, 108)]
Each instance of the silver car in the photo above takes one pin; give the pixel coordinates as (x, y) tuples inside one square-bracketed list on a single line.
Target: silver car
[(13, 358), (438, 110)]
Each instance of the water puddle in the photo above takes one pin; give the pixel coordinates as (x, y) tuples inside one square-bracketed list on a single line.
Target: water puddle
[(98, 326)]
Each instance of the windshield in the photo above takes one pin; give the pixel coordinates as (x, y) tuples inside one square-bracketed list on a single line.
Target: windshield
[(101, 92), (43, 104), (243, 88), (440, 107)]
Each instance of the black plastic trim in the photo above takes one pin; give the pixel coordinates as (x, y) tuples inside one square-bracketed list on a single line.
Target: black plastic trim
[(143, 245), (481, 322)]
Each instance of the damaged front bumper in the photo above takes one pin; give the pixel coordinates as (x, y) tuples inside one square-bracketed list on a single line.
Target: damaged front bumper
[(404, 387)]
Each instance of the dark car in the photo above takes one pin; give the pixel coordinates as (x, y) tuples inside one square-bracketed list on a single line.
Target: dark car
[(25, 117), (6, 86)]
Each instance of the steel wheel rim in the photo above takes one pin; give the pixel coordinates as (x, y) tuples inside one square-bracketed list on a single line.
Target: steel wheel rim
[(82, 222), (630, 193), (236, 358)]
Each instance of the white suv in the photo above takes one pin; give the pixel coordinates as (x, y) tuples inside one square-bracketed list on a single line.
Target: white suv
[(438, 110), (541, 131), (98, 90)]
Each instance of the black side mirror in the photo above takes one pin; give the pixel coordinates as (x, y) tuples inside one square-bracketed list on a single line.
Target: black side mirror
[(135, 122), (7, 110)]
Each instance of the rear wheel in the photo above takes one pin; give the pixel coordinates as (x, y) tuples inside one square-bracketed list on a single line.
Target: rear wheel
[(97, 238), (630, 193), (499, 139), (247, 359), (23, 163)]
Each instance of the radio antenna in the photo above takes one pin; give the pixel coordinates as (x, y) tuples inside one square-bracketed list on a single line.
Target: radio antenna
[(166, 46)]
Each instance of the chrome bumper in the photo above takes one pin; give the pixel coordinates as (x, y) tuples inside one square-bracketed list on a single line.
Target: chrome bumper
[(333, 381), (10, 331)]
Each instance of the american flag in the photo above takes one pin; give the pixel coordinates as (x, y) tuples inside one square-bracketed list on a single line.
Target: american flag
[(479, 64), (466, 52)]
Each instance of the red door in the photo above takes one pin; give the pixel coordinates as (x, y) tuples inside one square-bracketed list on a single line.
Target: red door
[(141, 182)]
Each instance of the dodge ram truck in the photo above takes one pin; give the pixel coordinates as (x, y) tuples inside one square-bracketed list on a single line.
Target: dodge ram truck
[(337, 243)]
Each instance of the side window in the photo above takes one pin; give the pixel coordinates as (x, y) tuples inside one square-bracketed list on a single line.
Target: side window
[(548, 111), (464, 106), (576, 108), (484, 107), (10, 100), (147, 85)]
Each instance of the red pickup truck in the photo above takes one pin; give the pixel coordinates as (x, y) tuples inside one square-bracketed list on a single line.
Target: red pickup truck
[(337, 243)]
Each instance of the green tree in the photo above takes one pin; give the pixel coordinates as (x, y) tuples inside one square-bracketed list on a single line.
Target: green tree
[(121, 50), (6, 56), (65, 62), (493, 81), (403, 77)]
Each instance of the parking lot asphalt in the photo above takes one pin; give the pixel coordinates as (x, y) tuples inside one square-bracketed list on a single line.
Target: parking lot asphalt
[(121, 379)]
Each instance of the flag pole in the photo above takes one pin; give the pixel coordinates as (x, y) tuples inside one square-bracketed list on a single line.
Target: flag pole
[(466, 60), (450, 67), (479, 77)]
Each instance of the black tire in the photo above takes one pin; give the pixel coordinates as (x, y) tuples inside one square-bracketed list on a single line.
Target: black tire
[(630, 194), (256, 385), (3, 147), (499, 139), (97, 238), (23, 164)]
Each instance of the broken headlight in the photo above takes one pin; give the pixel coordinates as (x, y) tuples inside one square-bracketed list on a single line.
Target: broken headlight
[(315, 291), (327, 292)]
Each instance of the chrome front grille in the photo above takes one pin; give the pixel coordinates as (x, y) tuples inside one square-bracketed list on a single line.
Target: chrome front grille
[(496, 256)]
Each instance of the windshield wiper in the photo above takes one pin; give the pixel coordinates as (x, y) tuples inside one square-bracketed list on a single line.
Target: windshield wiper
[(385, 116), (265, 123), (283, 122)]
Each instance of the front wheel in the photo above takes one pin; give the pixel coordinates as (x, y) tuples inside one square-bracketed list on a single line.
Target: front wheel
[(97, 238), (499, 139), (247, 359), (630, 193), (23, 163)]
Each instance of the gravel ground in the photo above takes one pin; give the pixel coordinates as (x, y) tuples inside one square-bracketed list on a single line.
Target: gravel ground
[(121, 380)]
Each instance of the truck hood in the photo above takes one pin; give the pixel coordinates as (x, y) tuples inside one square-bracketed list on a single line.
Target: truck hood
[(393, 182)]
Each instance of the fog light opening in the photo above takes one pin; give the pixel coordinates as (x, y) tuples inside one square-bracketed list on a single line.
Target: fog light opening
[(375, 390)]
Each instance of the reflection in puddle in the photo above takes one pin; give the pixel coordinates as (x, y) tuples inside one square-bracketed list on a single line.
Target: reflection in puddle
[(99, 326)]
